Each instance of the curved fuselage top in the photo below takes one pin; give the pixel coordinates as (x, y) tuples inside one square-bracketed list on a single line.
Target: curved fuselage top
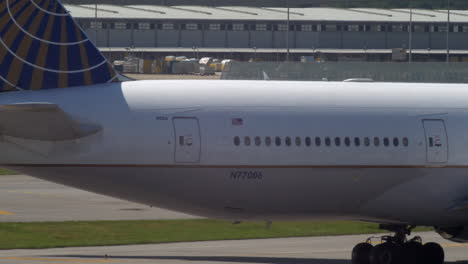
[(131, 111)]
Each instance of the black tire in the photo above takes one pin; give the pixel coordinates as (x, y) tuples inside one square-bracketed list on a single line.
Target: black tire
[(433, 253), (361, 253), (386, 253), (375, 253), (412, 253)]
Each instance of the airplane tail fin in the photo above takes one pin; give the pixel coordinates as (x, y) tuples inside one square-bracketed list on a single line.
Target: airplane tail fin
[(42, 47)]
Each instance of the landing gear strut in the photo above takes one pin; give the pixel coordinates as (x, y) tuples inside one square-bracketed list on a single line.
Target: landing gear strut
[(398, 249)]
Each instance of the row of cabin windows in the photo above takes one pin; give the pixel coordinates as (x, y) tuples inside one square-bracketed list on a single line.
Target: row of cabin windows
[(319, 141), (275, 27)]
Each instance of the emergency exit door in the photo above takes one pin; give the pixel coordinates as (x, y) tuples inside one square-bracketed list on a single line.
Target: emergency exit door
[(187, 140), (436, 141)]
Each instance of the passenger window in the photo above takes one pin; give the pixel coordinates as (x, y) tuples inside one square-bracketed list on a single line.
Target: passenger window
[(288, 141), (247, 141), (376, 141), (366, 141), (327, 141), (347, 141), (308, 141), (337, 141), (268, 141), (405, 142), (318, 141), (386, 142), (396, 142), (298, 141), (258, 141), (357, 141), (237, 141), (278, 141)]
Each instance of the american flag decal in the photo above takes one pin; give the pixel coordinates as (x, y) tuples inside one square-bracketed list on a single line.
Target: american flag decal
[(237, 122)]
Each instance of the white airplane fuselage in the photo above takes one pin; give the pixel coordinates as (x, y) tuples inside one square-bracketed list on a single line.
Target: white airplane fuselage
[(397, 153)]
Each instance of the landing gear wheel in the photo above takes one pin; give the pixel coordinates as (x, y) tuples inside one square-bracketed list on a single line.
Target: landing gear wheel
[(397, 249), (361, 253), (412, 253), (433, 253), (386, 253)]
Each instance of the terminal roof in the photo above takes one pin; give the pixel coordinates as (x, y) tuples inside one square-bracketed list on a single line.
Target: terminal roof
[(236, 13)]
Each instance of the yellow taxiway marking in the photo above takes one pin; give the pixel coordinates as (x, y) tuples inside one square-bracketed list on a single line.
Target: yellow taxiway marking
[(454, 245), (33, 193), (6, 213), (69, 260)]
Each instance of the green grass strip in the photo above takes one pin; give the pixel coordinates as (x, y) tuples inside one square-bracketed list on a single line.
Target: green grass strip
[(7, 172), (106, 233)]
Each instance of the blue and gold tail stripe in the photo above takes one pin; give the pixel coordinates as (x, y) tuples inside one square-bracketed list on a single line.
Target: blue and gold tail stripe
[(41, 47)]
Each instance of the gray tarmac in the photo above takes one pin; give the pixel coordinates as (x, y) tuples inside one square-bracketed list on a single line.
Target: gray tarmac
[(27, 199), (314, 250)]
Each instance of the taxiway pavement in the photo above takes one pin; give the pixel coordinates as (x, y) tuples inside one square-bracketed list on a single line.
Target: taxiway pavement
[(313, 250), (27, 199)]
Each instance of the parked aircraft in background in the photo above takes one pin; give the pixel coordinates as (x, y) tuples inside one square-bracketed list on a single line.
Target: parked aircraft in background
[(390, 153)]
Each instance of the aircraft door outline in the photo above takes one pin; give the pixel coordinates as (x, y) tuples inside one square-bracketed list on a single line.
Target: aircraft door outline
[(187, 140), (436, 141)]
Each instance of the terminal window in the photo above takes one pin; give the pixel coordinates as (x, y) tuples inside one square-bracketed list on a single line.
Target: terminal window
[(215, 27), (353, 28), (306, 27), (120, 25), (261, 27), (167, 26), (238, 27), (376, 28), (96, 25), (282, 27), (191, 26), (441, 29), (144, 26), (397, 28)]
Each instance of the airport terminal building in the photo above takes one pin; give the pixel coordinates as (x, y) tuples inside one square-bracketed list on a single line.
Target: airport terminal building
[(247, 32)]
